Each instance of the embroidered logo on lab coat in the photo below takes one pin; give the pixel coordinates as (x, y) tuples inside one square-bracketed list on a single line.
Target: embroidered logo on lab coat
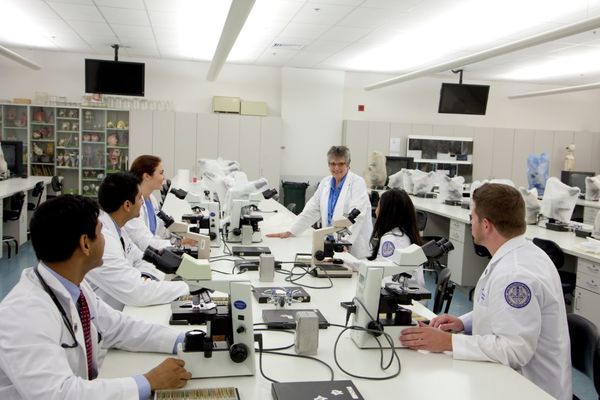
[(517, 294), (387, 249)]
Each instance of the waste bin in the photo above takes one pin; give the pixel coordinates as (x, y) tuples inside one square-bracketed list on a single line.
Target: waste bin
[(294, 194)]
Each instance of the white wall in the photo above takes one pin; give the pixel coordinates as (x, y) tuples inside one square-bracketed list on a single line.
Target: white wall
[(416, 101), (182, 82)]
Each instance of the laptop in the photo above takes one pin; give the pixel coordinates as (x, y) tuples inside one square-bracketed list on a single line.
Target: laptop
[(285, 318), (338, 390)]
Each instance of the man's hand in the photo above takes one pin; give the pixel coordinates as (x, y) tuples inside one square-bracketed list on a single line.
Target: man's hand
[(170, 374), (448, 323), (426, 338), (282, 235)]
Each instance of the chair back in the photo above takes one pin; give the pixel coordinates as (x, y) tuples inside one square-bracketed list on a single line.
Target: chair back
[(421, 220), (552, 249), (444, 291), (16, 201), (56, 184), (585, 347), (37, 191)]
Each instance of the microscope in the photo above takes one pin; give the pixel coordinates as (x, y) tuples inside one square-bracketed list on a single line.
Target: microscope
[(170, 261), (210, 219), (385, 303), (226, 347), (243, 223)]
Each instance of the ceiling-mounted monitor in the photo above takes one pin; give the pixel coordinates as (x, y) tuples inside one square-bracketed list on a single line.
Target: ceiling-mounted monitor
[(457, 98), (114, 77)]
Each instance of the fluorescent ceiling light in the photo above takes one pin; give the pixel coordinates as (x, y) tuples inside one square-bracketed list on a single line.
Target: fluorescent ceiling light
[(199, 27), (568, 65), (566, 89), (578, 27), (18, 58), (468, 25), (238, 13)]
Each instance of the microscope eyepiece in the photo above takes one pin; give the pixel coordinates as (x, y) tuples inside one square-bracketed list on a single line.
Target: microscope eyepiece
[(353, 214), (167, 219), (179, 193)]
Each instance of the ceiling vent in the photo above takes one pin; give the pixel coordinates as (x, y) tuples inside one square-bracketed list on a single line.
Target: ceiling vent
[(287, 46)]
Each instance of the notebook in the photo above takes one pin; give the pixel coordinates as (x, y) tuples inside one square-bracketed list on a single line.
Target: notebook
[(285, 318), (338, 390)]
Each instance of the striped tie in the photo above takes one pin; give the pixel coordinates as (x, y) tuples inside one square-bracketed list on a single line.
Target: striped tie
[(84, 314)]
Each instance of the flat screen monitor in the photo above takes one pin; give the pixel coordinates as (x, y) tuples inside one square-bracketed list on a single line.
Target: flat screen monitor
[(575, 178), (13, 154), (456, 98), (114, 77), (394, 164)]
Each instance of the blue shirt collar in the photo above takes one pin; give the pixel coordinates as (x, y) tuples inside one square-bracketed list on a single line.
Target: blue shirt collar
[(340, 185), (72, 288)]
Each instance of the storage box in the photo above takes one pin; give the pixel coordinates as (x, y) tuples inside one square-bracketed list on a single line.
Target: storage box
[(254, 108), (222, 104), (21, 101)]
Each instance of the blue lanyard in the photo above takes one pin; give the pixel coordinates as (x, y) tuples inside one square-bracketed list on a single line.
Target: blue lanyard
[(334, 194), (151, 215)]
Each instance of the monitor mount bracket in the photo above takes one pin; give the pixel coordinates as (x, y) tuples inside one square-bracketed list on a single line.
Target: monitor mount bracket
[(116, 47), (455, 71)]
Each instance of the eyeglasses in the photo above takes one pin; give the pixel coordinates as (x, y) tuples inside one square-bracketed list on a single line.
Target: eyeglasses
[(337, 164)]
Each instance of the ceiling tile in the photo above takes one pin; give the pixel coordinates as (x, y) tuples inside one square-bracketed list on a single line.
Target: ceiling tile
[(302, 31), (34, 9), (395, 5), (321, 13), (125, 16), (366, 18), (344, 34), (163, 19), (133, 4), (99, 40), (85, 2), (91, 28), (77, 12), (131, 31)]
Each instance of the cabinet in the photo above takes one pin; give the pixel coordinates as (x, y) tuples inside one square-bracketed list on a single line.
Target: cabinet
[(465, 264), (42, 138), (453, 155), (80, 144), (15, 125), (587, 290)]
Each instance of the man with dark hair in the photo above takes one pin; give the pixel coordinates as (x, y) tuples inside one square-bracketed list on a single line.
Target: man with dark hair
[(518, 316), (54, 327), (119, 282)]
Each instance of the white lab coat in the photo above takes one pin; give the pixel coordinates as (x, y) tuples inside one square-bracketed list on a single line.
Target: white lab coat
[(118, 281), (396, 239), (138, 229), (33, 365), (519, 318), (354, 194)]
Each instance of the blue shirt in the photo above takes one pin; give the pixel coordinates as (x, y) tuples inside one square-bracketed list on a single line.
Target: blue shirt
[(151, 215), (334, 194)]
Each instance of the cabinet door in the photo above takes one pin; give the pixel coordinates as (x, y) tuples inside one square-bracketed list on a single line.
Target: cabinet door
[(140, 133), (502, 159), (229, 137), (356, 137), (270, 150), (185, 142), (250, 146), (586, 305), (207, 136), (163, 137)]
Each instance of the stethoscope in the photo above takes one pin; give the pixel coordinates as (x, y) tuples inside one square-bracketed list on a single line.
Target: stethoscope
[(62, 311)]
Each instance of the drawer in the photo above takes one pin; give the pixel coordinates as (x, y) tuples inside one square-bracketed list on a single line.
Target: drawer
[(586, 305), (457, 231), (588, 281), (588, 267)]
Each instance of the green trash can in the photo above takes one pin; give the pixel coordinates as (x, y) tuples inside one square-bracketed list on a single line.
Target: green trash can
[(294, 195)]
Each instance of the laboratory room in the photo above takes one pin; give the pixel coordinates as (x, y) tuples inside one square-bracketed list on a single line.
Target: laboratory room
[(300, 199)]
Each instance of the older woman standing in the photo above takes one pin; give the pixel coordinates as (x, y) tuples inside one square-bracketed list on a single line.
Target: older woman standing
[(336, 195)]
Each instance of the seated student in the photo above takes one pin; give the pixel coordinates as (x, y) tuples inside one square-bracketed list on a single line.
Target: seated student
[(54, 327), (147, 229), (395, 228), (119, 281)]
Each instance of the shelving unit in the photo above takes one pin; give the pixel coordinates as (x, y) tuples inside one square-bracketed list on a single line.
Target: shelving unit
[(442, 153), (70, 142), (15, 126)]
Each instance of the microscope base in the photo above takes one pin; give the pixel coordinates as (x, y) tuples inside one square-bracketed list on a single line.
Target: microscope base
[(218, 365), (364, 340)]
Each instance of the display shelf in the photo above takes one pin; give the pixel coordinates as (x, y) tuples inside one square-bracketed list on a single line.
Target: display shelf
[(450, 154)]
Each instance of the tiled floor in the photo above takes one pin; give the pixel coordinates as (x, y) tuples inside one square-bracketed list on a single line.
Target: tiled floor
[(10, 271)]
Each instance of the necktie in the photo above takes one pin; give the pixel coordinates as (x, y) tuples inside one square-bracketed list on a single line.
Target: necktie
[(84, 314), (122, 242)]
